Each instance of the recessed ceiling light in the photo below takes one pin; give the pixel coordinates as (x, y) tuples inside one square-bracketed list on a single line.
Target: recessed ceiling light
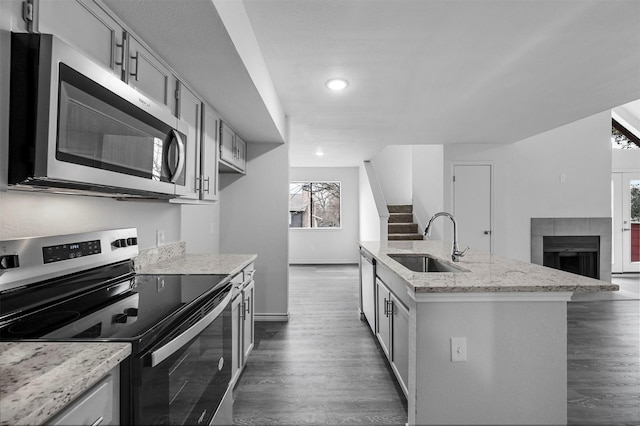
[(319, 152), (337, 84)]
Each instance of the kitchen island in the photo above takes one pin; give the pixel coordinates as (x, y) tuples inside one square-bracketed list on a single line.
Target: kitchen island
[(486, 344)]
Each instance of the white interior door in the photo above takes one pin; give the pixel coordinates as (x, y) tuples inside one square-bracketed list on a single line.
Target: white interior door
[(629, 233), (472, 189)]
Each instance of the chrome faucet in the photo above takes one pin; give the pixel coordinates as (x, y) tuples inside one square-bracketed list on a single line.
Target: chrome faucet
[(456, 254)]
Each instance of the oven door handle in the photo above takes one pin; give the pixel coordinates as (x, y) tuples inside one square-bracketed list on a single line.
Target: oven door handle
[(160, 354)]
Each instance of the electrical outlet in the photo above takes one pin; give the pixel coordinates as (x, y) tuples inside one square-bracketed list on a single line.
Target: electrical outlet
[(458, 349), (159, 237)]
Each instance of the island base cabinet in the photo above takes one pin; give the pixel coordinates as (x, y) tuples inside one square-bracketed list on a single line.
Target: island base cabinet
[(392, 319), (516, 368)]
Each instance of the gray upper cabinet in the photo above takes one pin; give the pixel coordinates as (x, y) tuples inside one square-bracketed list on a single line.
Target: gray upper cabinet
[(146, 73), (233, 151), (208, 155), (190, 112), (88, 27)]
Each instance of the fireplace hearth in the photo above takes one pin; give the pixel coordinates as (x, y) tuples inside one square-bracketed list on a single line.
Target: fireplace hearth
[(578, 245), (575, 254)]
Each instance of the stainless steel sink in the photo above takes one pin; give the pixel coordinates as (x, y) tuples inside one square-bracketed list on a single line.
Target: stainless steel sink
[(422, 263)]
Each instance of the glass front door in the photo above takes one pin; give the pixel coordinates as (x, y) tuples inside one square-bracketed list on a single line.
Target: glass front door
[(626, 214)]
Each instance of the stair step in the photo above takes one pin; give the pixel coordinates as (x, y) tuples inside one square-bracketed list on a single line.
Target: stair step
[(400, 208), (397, 237), (401, 218), (402, 228)]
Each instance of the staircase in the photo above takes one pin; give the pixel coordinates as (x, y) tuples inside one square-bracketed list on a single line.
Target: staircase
[(401, 226)]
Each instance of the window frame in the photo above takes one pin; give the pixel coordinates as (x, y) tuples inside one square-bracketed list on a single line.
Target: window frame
[(311, 183)]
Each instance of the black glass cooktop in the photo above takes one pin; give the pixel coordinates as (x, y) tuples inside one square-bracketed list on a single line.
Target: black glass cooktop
[(102, 304)]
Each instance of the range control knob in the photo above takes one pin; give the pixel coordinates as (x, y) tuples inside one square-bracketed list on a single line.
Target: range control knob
[(120, 243), (120, 318), (132, 312), (9, 261), (132, 241)]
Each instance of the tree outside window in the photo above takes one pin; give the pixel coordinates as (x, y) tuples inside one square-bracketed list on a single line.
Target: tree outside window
[(314, 204)]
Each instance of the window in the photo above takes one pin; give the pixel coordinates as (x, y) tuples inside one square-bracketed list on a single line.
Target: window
[(314, 204), (622, 138)]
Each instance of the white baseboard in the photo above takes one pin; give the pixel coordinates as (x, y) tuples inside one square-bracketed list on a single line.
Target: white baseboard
[(271, 317), (303, 262)]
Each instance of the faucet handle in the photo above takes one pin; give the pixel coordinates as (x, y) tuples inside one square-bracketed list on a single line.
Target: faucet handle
[(457, 254)]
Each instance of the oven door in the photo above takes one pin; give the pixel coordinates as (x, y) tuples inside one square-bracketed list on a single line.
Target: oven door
[(184, 378)]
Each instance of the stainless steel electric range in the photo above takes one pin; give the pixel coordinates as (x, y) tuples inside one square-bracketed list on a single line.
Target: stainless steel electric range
[(83, 287)]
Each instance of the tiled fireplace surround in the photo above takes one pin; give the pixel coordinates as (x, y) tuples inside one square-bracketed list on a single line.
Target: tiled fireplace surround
[(580, 226)]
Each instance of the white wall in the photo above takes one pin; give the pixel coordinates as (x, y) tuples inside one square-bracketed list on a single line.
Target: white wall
[(393, 168), (625, 160), (527, 179), (369, 219), (200, 226), (427, 184), (254, 219), (26, 214), (321, 245)]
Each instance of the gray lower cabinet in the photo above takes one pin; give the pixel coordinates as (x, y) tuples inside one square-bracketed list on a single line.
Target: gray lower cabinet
[(100, 405), (392, 318), (242, 316)]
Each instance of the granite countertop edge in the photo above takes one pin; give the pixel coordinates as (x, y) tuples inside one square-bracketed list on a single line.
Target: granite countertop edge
[(486, 273), (38, 379)]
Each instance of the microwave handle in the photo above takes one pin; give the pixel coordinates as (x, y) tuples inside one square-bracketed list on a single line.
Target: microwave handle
[(180, 165), (164, 352)]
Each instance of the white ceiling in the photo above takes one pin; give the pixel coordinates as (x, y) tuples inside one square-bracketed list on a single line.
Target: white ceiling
[(420, 71)]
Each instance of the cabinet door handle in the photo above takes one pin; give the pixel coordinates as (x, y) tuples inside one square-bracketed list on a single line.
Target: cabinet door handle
[(98, 421), (242, 310), (390, 308), (247, 306), (136, 58), (207, 187)]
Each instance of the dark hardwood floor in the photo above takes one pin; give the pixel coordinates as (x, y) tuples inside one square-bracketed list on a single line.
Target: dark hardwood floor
[(603, 363), (324, 366)]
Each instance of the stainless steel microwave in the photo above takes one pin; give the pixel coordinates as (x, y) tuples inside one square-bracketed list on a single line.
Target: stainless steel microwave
[(76, 127)]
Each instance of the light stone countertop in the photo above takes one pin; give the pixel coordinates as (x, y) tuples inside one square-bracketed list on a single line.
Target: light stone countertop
[(485, 272), (38, 379), (199, 264), (171, 259)]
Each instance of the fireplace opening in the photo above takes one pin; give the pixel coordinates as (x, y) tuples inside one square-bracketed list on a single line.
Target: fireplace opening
[(576, 254)]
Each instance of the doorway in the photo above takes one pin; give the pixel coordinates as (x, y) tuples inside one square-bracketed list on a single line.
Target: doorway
[(472, 205), (625, 209)]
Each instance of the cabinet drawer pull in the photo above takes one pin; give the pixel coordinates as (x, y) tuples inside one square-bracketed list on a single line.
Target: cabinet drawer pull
[(136, 58), (98, 421)]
